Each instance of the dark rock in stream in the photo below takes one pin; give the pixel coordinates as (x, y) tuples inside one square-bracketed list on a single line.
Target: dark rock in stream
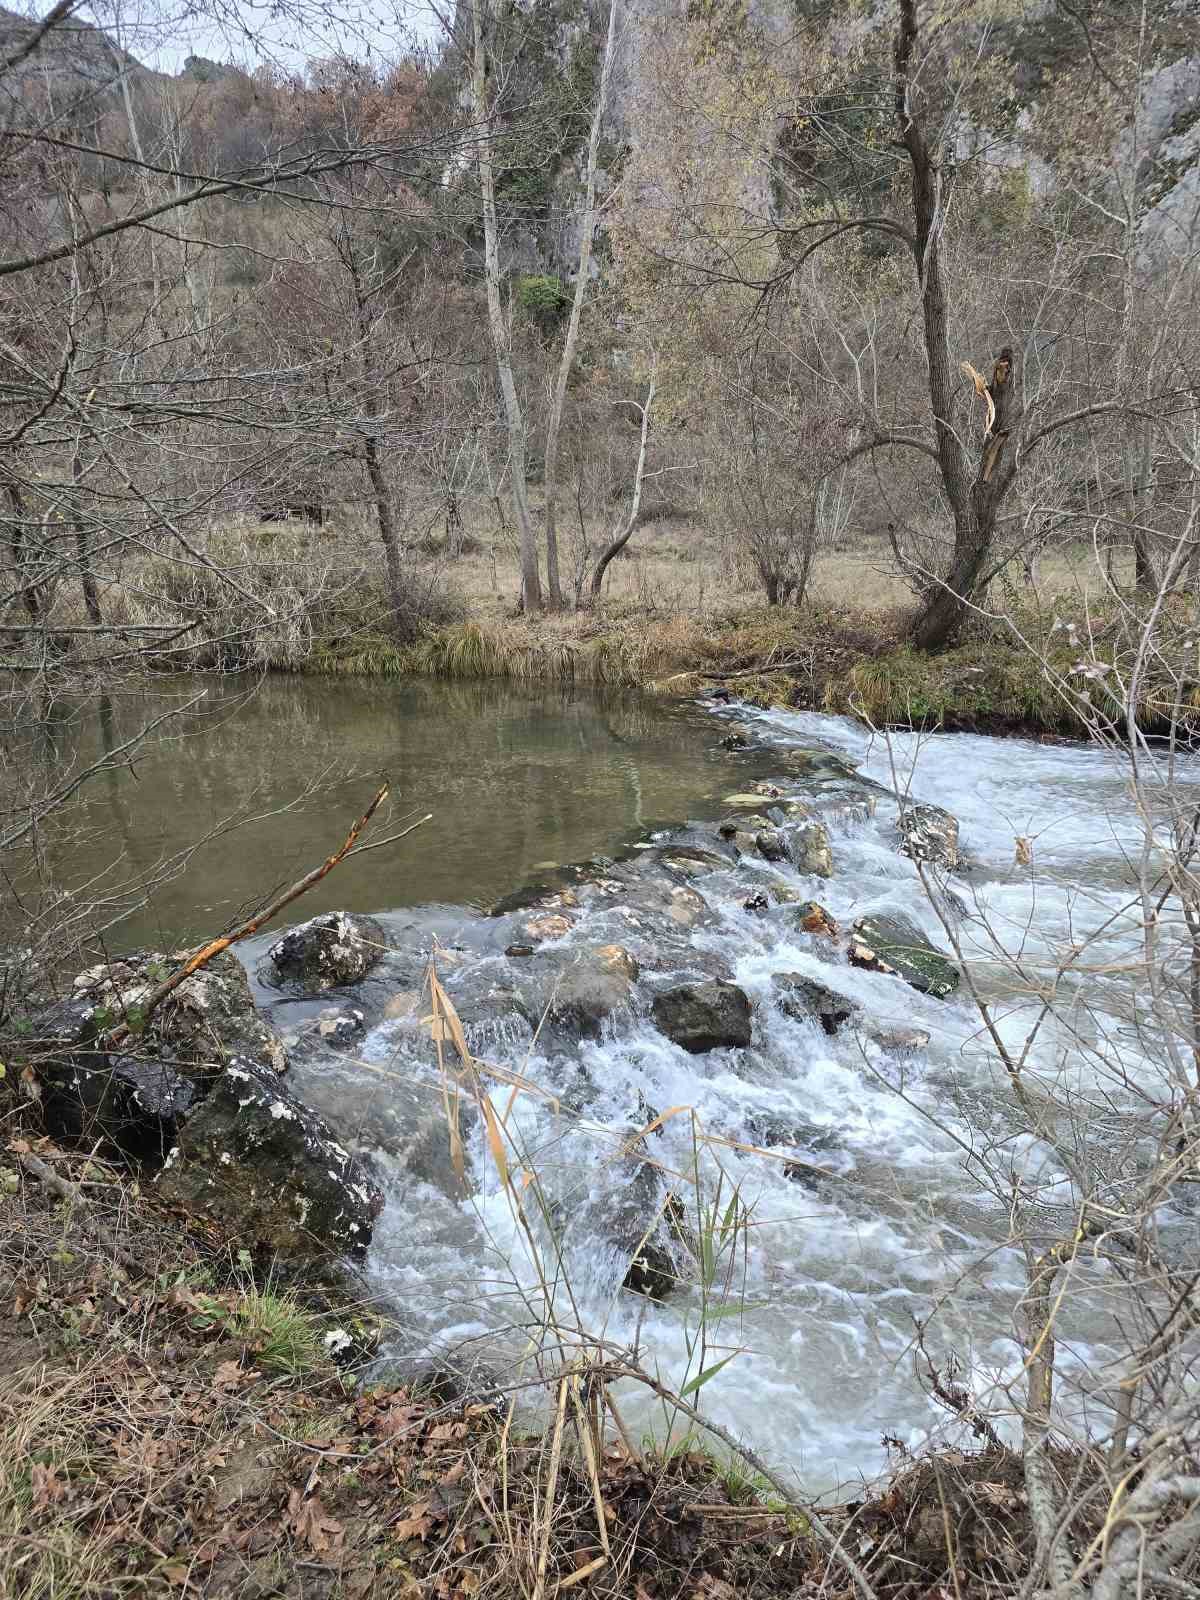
[(598, 984), (264, 1166), (326, 952), (806, 1000), (893, 944), (772, 845), (704, 1016), (929, 834), (809, 916)]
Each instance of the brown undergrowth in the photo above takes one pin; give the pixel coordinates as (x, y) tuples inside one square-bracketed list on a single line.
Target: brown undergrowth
[(151, 1442)]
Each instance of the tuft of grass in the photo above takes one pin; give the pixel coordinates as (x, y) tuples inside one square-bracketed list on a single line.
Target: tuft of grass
[(282, 1335)]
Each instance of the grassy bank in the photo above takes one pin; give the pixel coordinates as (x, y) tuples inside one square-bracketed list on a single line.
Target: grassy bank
[(1021, 676)]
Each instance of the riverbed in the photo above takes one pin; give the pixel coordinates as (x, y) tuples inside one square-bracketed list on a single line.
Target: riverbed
[(881, 1183)]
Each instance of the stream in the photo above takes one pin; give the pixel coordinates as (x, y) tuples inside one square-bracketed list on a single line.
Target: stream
[(863, 1162)]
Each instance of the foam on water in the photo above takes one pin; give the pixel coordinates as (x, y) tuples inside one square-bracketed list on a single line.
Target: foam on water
[(837, 1263)]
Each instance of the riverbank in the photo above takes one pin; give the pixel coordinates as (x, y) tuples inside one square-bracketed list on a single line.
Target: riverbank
[(1028, 675), (175, 1422)]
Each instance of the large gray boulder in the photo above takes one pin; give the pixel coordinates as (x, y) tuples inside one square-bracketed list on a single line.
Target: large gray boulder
[(327, 952), (810, 850), (704, 1016), (884, 943), (596, 986), (267, 1169)]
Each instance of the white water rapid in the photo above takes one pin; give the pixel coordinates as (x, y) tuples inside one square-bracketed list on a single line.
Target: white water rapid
[(836, 1265)]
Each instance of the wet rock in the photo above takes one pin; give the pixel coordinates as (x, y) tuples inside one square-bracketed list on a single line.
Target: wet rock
[(756, 902), (771, 845), (735, 741), (689, 861), (628, 1221), (409, 1123), (341, 1029), (810, 850), (893, 944), (597, 984), (326, 952), (900, 1040), (928, 833), (405, 1003), (784, 894), (551, 926), (134, 1099), (518, 950), (255, 1160), (704, 1016), (806, 1000), (811, 917)]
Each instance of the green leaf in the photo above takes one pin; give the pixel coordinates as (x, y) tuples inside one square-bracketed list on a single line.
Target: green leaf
[(702, 1378)]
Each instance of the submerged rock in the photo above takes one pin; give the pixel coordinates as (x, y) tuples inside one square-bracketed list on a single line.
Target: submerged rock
[(900, 1040), (893, 944), (928, 833), (326, 952), (704, 1016), (255, 1160), (807, 1000), (810, 850), (341, 1029)]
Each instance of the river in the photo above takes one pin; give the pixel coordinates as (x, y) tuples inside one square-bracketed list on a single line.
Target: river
[(879, 1202)]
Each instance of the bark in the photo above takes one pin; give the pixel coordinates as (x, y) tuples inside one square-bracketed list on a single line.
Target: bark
[(974, 497), (389, 536), (500, 322), (582, 278), (16, 540), (87, 578), (618, 543)]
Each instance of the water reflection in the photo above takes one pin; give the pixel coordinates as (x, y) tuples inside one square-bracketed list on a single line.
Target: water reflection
[(516, 776)]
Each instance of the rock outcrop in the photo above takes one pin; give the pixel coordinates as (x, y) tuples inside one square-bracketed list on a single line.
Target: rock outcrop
[(265, 1167)]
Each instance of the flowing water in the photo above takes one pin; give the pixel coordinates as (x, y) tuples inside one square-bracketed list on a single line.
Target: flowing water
[(871, 1209)]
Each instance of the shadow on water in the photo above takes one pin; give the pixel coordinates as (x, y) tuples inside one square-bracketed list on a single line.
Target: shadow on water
[(518, 778)]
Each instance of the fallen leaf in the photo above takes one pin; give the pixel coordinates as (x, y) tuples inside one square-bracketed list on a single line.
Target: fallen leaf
[(308, 1520), (416, 1524), (48, 1487), (228, 1375)]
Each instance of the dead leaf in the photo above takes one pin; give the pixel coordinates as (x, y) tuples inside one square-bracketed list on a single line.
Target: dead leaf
[(417, 1524), (228, 1375), (1024, 855), (48, 1487), (308, 1520)]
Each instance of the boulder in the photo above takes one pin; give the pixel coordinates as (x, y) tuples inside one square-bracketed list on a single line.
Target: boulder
[(899, 1040), (135, 1098), (255, 1160), (325, 953), (927, 833), (704, 1016), (598, 983), (341, 1028), (810, 850), (895, 945), (806, 1000), (772, 845), (133, 1107)]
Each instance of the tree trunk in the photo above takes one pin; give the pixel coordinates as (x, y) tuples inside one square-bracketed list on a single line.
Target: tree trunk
[(500, 323), (16, 540), (388, 534), (618, 543), (582, 278), (87, 578), (972, 503)]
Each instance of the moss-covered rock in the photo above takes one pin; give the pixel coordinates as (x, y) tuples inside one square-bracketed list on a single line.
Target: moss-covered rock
[(895, 945)]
